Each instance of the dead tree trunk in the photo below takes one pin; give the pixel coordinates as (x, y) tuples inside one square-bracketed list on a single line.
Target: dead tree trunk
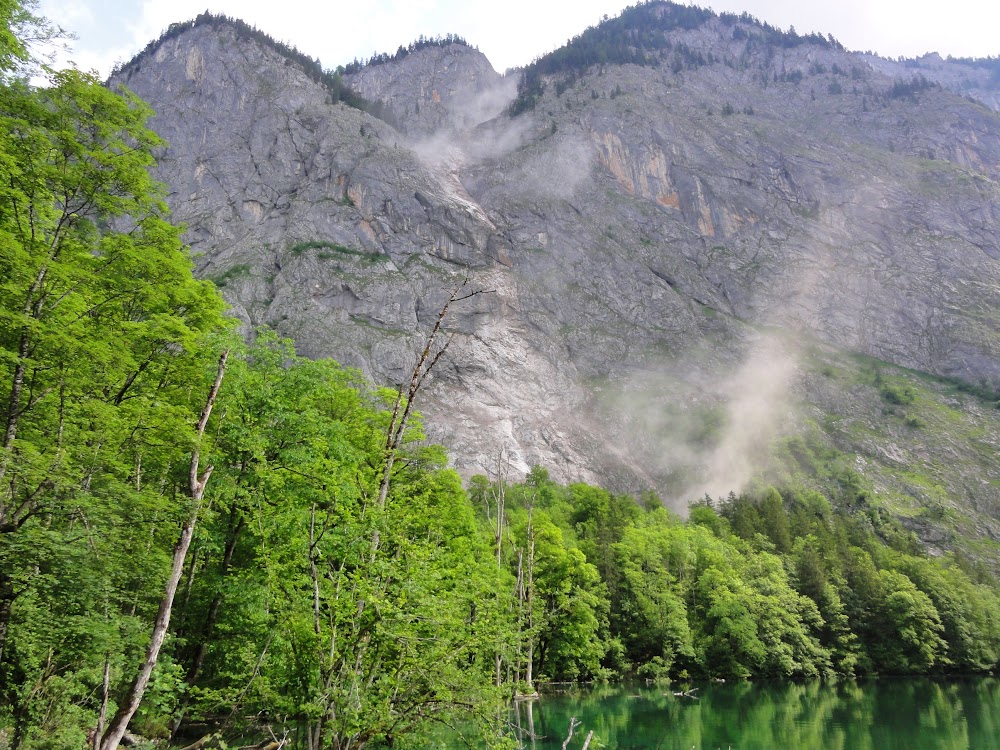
[(105, 696), (530, 603), (397, 424), (498, 489), (573, 724), (499, 492), (196, 489), (519, 593)]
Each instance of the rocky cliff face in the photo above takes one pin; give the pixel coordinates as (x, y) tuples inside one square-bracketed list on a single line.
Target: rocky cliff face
[(437, 89), (641, 233), (978, 80)]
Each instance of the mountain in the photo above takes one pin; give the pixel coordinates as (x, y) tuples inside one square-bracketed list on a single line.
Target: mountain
[(975, 78), (712, 249), (438, 87)]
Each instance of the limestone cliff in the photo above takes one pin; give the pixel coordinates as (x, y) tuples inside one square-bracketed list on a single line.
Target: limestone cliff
[(437, 89), (641, 230)]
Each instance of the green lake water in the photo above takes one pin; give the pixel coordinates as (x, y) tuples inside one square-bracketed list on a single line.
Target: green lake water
[(883, 714)]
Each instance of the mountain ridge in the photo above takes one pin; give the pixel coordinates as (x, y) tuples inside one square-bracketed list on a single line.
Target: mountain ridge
[(639, 225), (983, 73)]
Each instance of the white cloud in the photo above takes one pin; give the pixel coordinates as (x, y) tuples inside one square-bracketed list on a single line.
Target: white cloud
[(964, 28)]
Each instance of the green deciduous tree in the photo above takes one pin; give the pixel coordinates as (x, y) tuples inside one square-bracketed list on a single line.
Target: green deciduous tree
[(909, 626), (357, 643), (570, 621), (105, 349), (650, 615)]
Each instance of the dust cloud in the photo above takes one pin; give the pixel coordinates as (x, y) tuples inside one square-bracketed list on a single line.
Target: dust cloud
[(544, 162), (692, 431), (559, 170), (757, 401)]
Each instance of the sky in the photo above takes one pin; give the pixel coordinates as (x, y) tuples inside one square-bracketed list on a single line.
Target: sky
[(512, 32)]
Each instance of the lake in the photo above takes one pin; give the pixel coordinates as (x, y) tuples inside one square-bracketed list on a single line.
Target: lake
[(880, 714)]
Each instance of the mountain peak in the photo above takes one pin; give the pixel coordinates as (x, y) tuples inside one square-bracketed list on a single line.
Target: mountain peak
[(420, 43), (659, 33), (332, 81), (434, 84)]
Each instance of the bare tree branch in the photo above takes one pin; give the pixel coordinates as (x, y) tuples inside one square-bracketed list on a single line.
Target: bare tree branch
[(197, 484)]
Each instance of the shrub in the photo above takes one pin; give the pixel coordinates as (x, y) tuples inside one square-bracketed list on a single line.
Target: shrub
[(900, 395)]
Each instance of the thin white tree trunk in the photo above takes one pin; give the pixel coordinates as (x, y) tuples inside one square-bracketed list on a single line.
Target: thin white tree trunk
[(105, 694), (529, 677), (397, 425), (128, 707)]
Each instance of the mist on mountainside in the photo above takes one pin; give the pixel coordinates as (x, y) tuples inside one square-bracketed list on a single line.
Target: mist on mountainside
[(671, 210), (695, 261)]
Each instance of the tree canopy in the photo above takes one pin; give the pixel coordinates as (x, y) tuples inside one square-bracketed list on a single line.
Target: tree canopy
[(641, 35), (422, 42), (197, 532)]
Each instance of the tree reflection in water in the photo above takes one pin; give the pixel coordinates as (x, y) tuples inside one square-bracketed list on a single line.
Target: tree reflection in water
[(878, 714)]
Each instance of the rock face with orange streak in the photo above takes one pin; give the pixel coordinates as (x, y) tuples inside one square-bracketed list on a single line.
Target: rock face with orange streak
[(637, 220)]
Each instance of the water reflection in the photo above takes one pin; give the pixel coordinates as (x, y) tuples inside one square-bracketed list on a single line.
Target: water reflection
[(883, 714)]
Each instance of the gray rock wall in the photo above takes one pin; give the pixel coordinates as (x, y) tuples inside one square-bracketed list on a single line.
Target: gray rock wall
[(435, 89), (644, 224)]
